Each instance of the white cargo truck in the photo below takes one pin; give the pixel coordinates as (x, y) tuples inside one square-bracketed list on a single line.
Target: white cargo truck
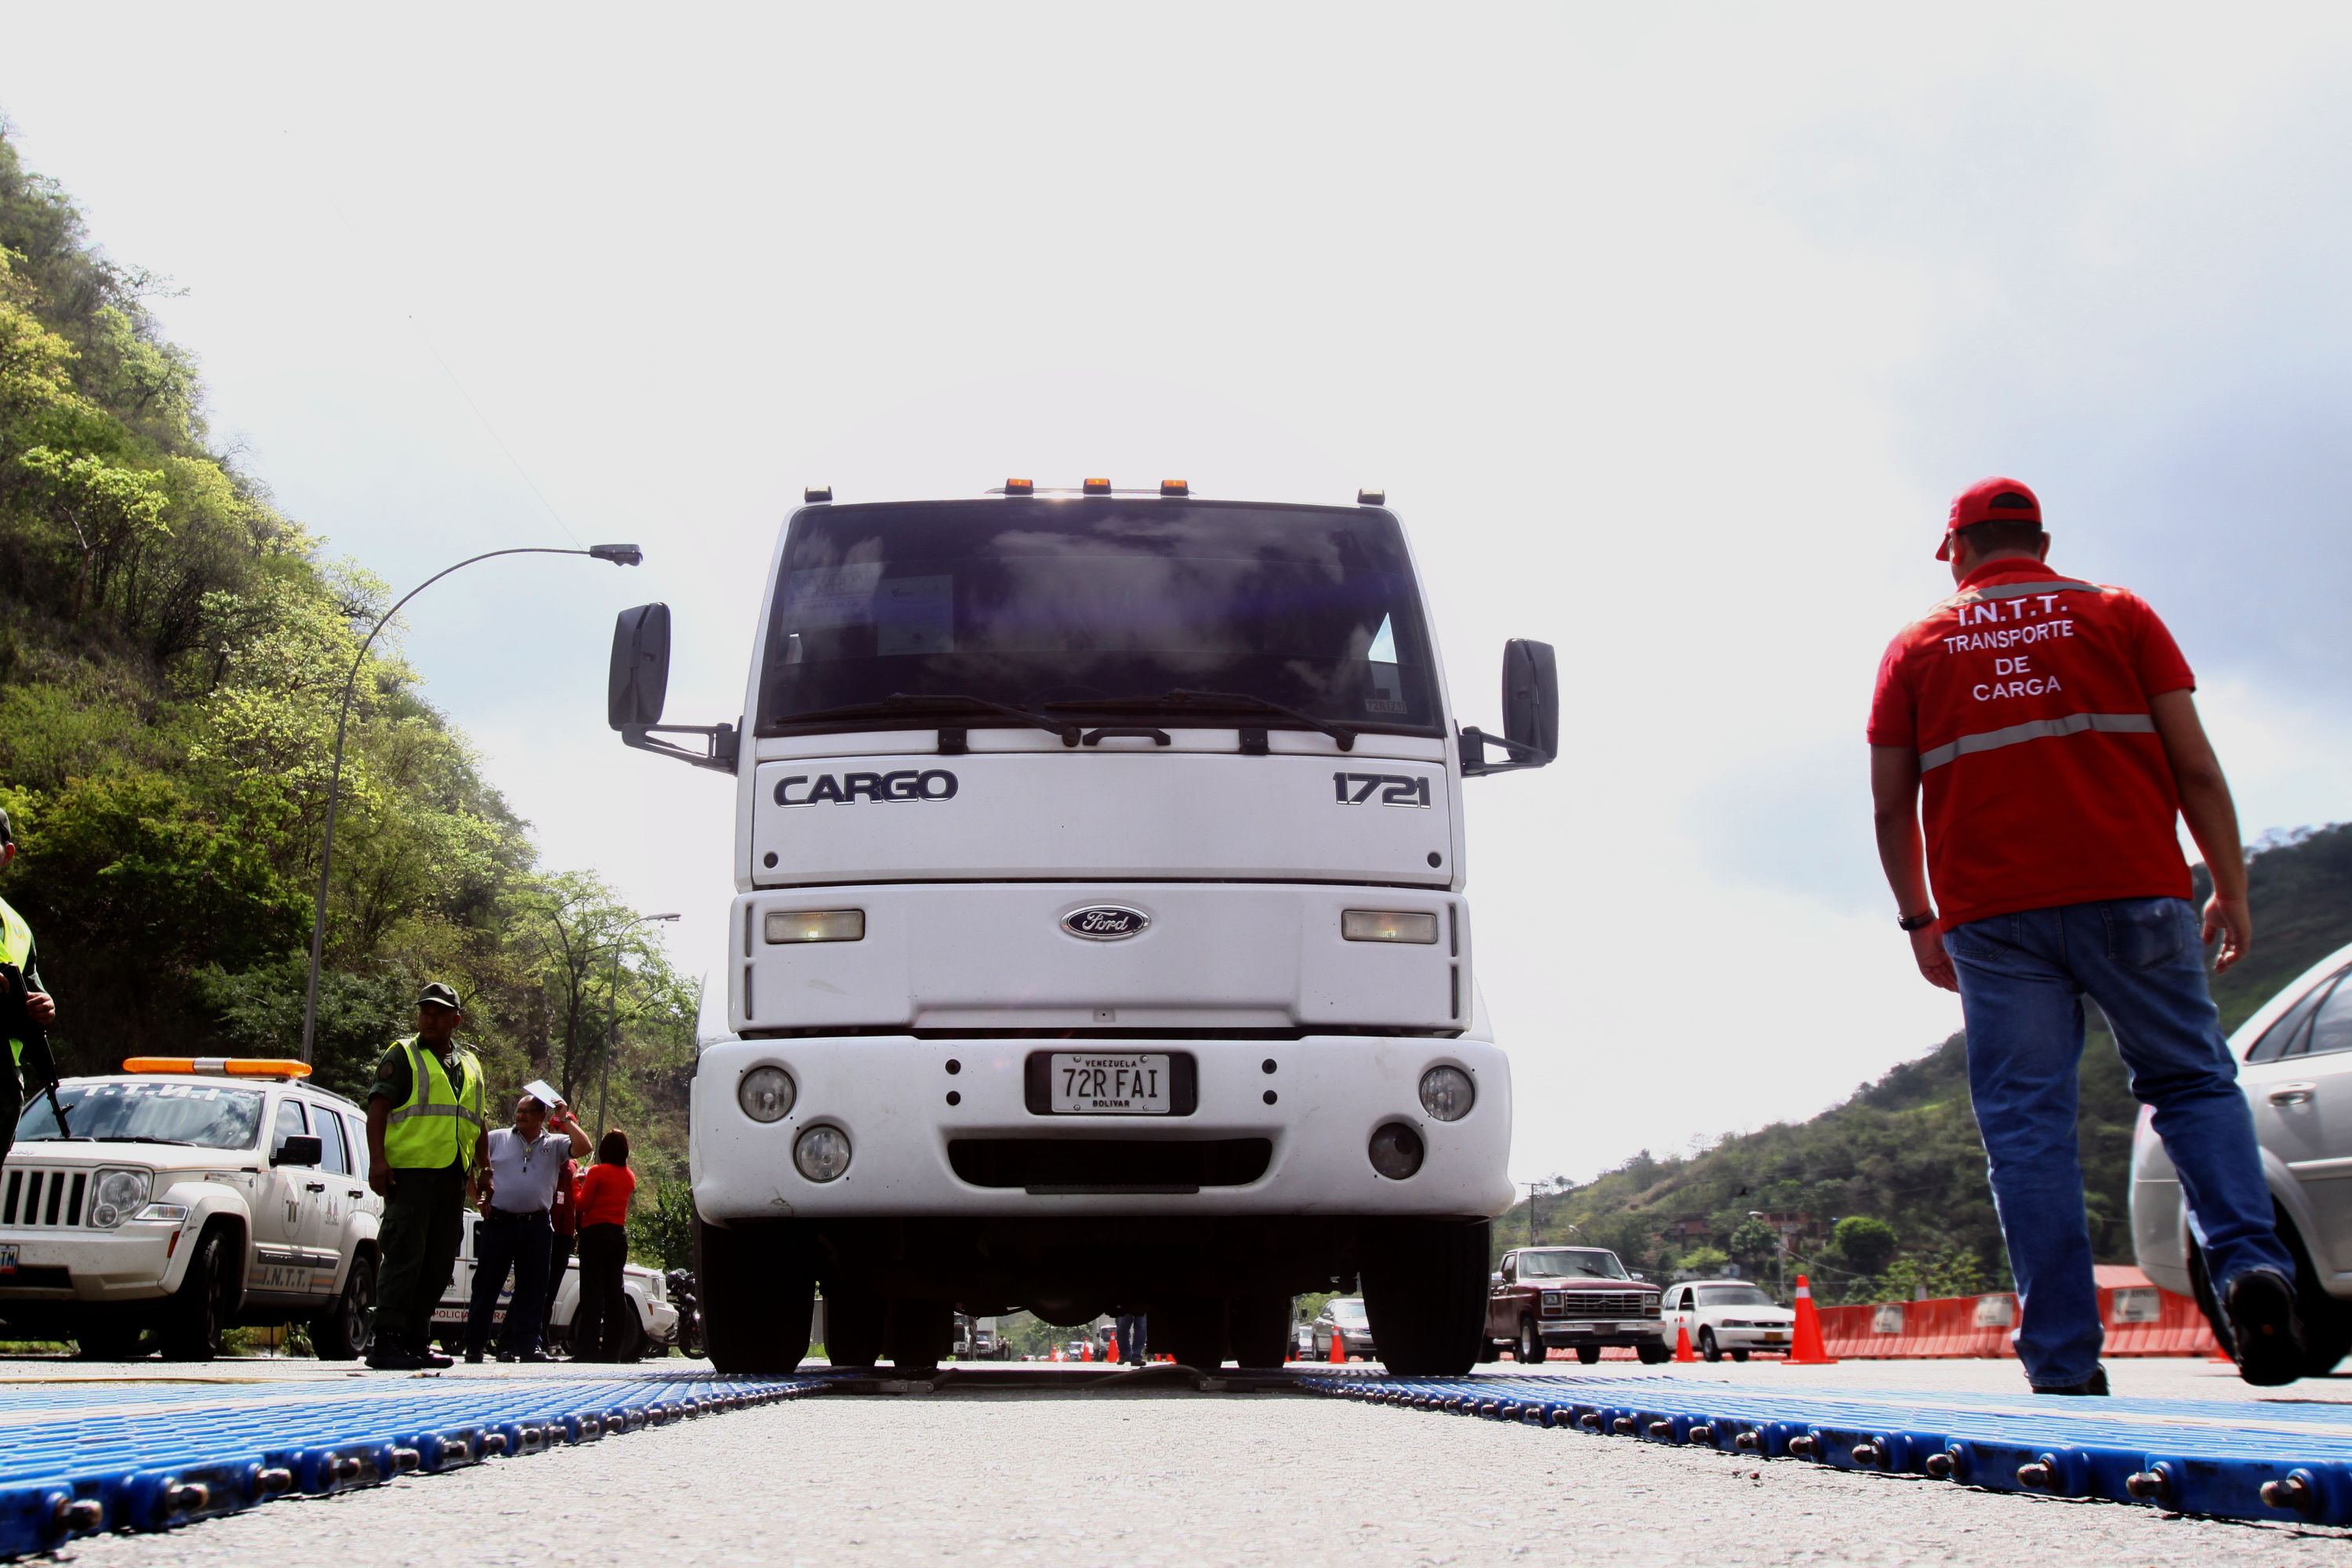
[(1099, 942)]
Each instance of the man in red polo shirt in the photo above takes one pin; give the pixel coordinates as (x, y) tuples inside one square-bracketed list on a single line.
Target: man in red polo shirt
[(2050, 725)]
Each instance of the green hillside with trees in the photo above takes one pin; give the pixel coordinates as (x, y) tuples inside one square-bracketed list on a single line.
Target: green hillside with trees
[(172, 651), (1886, 1193)]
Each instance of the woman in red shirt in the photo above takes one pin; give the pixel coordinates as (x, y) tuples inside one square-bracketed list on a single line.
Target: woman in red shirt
[(601, 1325)]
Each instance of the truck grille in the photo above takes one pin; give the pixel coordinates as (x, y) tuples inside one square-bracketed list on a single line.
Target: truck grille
[(1074, 1166), (38, 1197), (1603, 1304)]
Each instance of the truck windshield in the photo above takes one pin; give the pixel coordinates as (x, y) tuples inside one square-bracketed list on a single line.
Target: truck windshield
[(1128, 604), (1571, 1263), (203, 1114)]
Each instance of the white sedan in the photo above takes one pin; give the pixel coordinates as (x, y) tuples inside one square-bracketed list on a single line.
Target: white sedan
[(1725, 1317), (2296, 1067)]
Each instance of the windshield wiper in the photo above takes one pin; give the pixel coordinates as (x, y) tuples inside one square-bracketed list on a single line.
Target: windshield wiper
[(129, 1138), (908, 704), (1186, 701)]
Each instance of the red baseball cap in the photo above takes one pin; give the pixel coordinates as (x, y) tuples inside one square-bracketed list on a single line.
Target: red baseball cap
[(1985, 500)]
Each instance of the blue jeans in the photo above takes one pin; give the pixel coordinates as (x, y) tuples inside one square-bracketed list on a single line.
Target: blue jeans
[(2022, 980), (504, 1241)]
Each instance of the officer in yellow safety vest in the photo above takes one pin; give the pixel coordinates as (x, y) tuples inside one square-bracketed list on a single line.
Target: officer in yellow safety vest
[(427, 1127), (17, 954)]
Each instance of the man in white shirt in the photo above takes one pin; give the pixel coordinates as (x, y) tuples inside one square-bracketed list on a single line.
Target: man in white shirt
[(515, 1189)]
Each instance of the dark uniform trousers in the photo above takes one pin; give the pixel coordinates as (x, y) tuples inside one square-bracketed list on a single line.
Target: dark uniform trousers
[(424, 1223)]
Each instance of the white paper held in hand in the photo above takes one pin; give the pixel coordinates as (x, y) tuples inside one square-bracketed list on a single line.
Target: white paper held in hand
[(540, 1089)]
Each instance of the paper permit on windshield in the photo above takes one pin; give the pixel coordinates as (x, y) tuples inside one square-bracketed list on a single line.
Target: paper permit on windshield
[(540, 1089)]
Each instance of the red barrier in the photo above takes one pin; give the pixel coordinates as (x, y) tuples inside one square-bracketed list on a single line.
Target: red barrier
[(2141, 1320)]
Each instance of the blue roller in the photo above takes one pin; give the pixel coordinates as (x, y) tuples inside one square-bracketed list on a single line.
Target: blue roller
[(2230, 1459), (88, 1456)]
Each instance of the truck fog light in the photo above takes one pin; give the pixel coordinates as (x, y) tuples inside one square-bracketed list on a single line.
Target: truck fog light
[(822, 1153), (115, 1195), (818, 925), (1395, 1151), (1387, 925), (1446, 1093), (766, 1094)]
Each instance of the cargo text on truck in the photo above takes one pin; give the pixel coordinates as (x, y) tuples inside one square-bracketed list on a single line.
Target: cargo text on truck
[(1099, 940)]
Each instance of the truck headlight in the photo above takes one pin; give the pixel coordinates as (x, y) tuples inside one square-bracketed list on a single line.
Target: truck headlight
[(1387, 925), (116, 1194), (822, 1153), (766, 1094), (1446, 1093), (813, 925)]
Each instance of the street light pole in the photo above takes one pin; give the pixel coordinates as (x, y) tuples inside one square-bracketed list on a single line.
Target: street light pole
[(613, 1023), (619, 554)]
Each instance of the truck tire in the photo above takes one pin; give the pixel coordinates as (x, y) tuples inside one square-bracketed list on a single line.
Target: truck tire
[(855, 1324), (1653, 1354), (1425, 1285), (1529, 1351), (757, 1289), (1587, 1355), (1193, 1329), (1259, 1329), (918, 1334), (345, 1330), (201, 1308)]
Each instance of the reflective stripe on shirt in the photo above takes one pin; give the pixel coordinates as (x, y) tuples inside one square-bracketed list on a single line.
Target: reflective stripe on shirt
[(2038, 730)]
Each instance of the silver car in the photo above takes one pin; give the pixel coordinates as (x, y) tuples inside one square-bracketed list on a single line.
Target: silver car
[(2295, 1066)]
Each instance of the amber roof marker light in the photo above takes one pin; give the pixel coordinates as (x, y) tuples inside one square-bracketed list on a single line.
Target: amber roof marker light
[(1021, 487), (1374, 496), (1175, 488), (817, 495), (1097, 488)]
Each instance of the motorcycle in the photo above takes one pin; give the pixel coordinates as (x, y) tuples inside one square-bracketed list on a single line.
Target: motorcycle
[(690, 1339)]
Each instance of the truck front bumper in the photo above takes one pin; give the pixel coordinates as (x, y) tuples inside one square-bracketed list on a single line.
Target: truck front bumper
[(946, 1128)]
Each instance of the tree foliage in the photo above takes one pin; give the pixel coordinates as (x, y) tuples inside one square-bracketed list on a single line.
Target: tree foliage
[(173, 656)]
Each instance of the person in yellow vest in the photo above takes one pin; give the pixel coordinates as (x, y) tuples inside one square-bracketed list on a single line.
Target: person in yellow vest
[(29, 1066), (427, 1127)]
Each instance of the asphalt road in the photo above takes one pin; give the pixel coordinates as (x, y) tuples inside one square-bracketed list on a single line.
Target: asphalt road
[(1061, 1477)]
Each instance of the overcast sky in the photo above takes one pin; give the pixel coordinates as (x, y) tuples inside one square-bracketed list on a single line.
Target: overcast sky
[(1670, 331)]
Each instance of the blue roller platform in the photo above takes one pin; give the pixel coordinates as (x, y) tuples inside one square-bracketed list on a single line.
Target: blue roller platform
[(114, 1454), (2272, 1459)]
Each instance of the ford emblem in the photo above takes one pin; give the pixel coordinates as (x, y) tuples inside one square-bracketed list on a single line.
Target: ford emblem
[(1105, 922)]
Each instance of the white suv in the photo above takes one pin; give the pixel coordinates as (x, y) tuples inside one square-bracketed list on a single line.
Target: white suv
[(2294, 1059), (188, 1197)]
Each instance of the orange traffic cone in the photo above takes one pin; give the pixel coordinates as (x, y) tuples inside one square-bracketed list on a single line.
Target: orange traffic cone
[(1808, 1350), (1682, 1343), (1338, 1349), (1110, 1352), (1086, 1350)]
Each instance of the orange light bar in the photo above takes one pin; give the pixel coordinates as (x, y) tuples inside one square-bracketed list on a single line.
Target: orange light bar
[(1021, 487), (1174, 487), (221, 1066), (1097, 487)]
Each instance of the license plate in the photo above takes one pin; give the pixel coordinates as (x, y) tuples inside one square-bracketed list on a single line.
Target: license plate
[(1576, 1328), (1776, 1338), (7, 1260), (1110, 1083)]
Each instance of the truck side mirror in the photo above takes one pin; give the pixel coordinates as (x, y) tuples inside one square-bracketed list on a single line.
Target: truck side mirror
[(639, 682), (298, 1149), (1532, 696)]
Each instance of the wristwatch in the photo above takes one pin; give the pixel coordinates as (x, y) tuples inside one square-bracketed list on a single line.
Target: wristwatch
[(1918, 923)]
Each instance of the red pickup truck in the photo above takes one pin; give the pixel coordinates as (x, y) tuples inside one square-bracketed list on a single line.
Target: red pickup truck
[(1575, 1298)]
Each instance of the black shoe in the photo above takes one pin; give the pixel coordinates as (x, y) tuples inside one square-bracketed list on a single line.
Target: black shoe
[(2265, 1335), (527, 1356), (431, 1359), (506, 1355), (473, 1358), (393, 1358), (2096, 1385)]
